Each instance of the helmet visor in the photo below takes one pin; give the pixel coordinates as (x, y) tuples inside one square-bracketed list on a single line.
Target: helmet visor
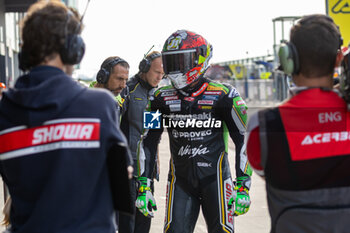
[(179, 61)]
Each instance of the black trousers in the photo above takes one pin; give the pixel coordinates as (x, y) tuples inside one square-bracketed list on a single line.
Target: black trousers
[(133, 224)]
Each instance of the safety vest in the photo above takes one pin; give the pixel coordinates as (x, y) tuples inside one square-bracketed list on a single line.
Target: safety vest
[(305, 153)]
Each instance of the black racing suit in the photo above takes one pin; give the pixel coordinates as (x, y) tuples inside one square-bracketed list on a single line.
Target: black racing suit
[(198, 122)]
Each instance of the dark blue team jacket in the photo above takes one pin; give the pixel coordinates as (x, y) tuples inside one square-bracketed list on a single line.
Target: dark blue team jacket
[(55, 138)]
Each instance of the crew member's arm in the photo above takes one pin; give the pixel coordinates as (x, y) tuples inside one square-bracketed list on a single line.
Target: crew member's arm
[(122, 105), (150, 139), (123, 101), (150, 142)]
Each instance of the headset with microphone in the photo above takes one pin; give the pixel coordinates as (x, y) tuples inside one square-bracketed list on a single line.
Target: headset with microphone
[(106, 70), (146, 62)]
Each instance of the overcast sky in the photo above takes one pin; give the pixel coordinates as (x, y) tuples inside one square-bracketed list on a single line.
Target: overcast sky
[(236, 29)]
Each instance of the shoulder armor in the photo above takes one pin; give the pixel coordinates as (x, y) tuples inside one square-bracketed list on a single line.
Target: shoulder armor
[(165, 91), (214, 86)]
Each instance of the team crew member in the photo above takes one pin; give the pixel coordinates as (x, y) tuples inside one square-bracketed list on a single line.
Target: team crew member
[(56, 136), (199, 114), (302, 147), (133, 104), (113, 75)]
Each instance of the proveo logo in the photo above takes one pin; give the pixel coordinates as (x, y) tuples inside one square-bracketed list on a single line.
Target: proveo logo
[(192, 134)]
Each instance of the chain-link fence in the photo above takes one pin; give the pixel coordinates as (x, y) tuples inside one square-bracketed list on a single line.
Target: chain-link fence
[(263, 90)]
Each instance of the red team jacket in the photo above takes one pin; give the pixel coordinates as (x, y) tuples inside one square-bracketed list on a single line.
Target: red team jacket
[(302, 148)]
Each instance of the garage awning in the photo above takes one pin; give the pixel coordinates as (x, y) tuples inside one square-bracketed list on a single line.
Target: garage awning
[(18, 5)]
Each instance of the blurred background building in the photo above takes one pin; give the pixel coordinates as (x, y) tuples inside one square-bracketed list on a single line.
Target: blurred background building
[(256, 78), (11, 13)]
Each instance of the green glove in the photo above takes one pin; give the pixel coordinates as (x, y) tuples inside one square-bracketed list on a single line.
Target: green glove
[(145, 201), (242, 200)]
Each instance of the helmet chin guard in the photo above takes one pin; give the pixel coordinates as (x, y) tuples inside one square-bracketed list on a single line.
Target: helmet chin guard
[(178, 80)]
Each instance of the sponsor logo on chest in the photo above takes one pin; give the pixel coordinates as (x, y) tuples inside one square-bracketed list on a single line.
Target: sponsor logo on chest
[(170, 98), (168, 93), (172, 102), (206, 102)]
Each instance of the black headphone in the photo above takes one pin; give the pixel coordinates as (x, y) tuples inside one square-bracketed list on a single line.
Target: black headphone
[(105, 70), (73, 49), (288, 54), (146, 62), (289, 59)]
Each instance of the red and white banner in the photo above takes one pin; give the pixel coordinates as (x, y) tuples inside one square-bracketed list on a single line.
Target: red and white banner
[(316, 133), (53, 135)]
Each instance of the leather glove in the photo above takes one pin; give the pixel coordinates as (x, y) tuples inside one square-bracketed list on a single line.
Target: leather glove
[(145, 201), (242, 200)]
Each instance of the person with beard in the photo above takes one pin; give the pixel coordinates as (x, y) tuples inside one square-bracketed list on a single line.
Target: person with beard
[(113, 75)]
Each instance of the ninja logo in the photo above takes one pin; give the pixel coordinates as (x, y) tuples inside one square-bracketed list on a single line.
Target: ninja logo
[(151, 120)]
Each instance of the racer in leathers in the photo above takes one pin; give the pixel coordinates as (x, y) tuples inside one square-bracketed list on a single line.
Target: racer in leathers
[(199, 114)]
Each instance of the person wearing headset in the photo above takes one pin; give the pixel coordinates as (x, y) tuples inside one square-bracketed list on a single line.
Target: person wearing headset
[(302, 147), (113, 75), (62, 155), (133, 104)]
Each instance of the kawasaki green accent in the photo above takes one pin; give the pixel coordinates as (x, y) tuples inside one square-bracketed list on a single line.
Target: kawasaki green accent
[(145, 201), (92, 84), (241, 108), (219, 85), (225, 136), (162, 89), (241, 200), (249, 170)]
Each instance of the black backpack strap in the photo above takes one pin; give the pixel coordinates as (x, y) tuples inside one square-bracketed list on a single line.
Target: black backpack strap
[(263, 137)]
